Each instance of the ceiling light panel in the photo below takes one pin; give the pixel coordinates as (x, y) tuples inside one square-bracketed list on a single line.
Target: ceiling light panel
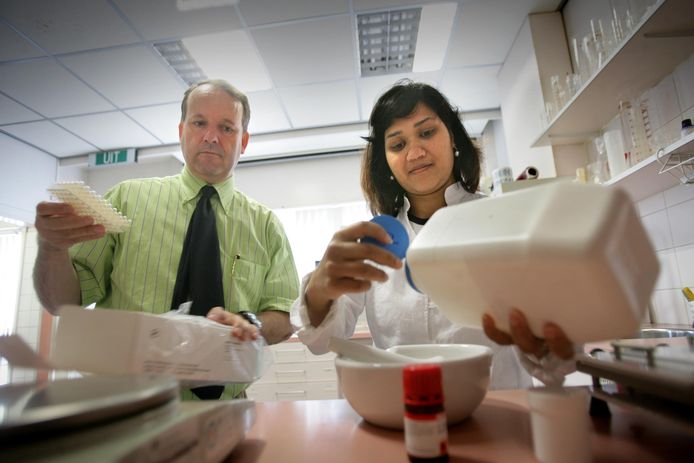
[(179, 58), (230, 56), (387, 41)]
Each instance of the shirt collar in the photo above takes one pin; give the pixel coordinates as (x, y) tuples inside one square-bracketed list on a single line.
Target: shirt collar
[(192, 186), (454, 194)]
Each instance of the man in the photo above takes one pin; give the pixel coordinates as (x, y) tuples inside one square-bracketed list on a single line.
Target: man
[(137, 270)]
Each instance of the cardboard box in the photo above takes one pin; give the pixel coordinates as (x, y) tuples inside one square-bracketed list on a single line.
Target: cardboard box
[(189, 348)]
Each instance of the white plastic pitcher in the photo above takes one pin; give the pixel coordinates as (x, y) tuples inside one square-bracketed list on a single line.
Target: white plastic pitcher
[(573, 254)]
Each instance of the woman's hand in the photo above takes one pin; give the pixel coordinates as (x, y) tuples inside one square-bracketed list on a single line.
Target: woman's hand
[(554, 340), (344, 267)]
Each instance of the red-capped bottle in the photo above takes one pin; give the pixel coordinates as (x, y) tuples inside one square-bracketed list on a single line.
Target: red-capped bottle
[(426, 434)]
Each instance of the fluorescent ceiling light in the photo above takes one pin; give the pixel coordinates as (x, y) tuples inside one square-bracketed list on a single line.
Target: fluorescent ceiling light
[(230, 56), (387, 41), (435, 28), (178, 57)]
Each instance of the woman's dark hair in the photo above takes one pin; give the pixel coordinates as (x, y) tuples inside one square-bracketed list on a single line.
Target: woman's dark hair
[(386, 196)]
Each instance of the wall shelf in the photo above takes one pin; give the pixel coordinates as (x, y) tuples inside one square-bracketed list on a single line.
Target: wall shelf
[(637, 65), (644, 180)]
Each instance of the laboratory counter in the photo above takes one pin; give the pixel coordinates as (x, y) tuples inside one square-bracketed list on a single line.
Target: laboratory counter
[(498, 431)]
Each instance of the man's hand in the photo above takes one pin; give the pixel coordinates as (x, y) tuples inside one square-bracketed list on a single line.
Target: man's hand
[(59, 227), (554, 340), (240, 328)]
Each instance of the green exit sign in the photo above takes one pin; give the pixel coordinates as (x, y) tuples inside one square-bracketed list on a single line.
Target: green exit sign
[(110, 158)]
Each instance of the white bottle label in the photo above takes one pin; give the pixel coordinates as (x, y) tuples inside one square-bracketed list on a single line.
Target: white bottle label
[(426, 438)]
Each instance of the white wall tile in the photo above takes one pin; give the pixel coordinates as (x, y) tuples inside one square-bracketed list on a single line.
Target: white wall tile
[(658, 229), (669, 307), (668, 106), (685, 262), (651, 204), (669, 277), (678, 194), (682, 223)]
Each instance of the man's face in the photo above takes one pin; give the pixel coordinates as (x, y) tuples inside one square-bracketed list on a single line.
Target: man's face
[(212, 136)]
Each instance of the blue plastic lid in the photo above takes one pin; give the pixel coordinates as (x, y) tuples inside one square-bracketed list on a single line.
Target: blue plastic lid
[(397, 233)]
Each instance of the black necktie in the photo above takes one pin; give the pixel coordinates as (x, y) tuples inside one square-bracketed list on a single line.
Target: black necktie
[(199, 277)]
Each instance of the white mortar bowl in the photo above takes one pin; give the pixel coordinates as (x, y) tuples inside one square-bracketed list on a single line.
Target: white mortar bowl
[(374, 390)]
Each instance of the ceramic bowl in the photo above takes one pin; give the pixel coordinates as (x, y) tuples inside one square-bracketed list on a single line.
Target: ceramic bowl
[(374, 390)]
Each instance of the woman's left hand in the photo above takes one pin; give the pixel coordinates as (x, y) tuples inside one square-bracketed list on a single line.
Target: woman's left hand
[(554, 340)]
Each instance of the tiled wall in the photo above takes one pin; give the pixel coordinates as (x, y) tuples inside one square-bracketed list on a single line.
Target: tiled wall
[(669, 219), (29, 309)]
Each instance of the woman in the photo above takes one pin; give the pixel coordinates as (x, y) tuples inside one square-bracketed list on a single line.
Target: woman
[(418, 159)]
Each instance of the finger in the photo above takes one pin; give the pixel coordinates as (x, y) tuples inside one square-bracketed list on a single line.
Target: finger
[(357, 270), (359, 230), (493, 333), (71, 236), (522, 336), (66, 222), (245, 331), (46, 208), (557, 341), (339, 251)]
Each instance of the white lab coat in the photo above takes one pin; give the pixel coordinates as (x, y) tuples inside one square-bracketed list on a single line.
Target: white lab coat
[(397, 314)]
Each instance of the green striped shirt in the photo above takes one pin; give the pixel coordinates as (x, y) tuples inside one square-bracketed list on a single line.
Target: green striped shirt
[(136, 270)]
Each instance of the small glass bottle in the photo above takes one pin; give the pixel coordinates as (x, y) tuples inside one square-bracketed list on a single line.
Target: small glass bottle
[(426, 432)]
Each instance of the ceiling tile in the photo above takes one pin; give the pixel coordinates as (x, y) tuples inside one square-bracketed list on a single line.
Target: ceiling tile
[(109, 130), (475, 127), (161, 19), (162, 120), (371, 88), (49, 137), (50, 90), (321, 104), (267, 114), (69, 25), (128, 76), (256, 12), (11, 111), (219, 55), (14, 46), (481, 22), (471, 89), (307, 52)]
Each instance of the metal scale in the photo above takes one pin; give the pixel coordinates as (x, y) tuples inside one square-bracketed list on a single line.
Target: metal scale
[(652, 375), (133, 418)]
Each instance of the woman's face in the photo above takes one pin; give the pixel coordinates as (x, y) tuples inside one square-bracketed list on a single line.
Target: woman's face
[(419, 151)]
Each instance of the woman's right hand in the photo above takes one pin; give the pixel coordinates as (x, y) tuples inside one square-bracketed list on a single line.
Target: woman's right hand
[(344, 267)]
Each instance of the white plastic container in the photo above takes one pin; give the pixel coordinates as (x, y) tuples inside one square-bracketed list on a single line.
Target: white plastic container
[(573, 254)]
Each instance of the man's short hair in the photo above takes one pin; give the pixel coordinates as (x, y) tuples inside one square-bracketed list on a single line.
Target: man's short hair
[(221, 84)]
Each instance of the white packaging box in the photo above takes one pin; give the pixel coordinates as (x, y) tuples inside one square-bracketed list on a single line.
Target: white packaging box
[(190, 348)]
